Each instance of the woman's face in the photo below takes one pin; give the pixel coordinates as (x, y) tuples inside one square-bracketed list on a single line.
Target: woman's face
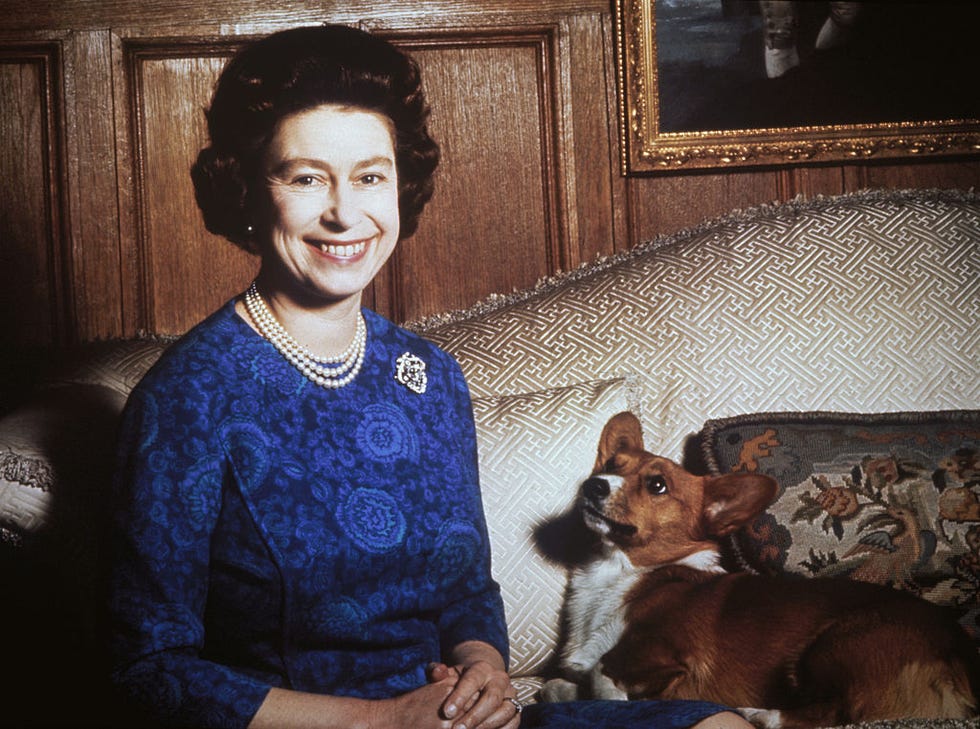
[(332, 189)]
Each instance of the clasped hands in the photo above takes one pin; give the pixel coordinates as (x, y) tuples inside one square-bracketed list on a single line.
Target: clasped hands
[(482, 696)]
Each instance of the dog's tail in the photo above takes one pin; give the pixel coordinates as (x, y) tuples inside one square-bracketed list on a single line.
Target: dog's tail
[(951, 695), (941, 689), (970, 656)]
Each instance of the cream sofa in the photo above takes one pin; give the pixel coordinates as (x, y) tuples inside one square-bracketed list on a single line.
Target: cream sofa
[(783, 316)]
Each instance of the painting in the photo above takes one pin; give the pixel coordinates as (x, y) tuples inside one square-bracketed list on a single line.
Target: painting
[(729, 83)]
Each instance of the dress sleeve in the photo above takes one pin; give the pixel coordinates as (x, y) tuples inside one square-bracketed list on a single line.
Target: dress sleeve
[(167, 496), (477, 611)]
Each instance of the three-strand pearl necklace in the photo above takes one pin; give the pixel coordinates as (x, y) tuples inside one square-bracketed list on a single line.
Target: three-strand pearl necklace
[(329, 372)]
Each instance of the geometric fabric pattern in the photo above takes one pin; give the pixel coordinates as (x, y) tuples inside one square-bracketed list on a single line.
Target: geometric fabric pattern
[(535, 449), (867, 302)]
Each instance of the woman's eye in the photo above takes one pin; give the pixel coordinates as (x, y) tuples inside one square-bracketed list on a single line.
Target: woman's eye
[(304, 180), (371, 179)]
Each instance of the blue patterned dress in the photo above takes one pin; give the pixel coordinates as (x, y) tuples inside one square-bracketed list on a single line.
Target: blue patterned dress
[(269, 532)]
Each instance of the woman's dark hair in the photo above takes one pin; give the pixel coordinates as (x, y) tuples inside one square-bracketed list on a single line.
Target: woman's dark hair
[(292, 71)]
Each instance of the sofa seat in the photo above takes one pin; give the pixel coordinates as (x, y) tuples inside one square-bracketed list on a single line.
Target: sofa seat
[(859, 311)]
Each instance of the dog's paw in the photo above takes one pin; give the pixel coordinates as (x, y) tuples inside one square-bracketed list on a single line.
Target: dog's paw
[(559, 689), (763, 718), (605, 688)]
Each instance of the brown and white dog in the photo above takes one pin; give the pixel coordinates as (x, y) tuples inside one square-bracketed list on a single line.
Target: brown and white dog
[(655, 616)]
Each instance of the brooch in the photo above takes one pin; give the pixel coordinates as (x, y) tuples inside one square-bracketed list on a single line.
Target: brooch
[(410, 372)]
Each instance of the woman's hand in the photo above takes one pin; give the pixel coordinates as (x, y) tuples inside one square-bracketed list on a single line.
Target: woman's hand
[(483, 697), (724, 720), (419, 709)]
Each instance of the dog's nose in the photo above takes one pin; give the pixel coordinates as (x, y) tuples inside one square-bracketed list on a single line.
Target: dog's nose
[(596, 488)]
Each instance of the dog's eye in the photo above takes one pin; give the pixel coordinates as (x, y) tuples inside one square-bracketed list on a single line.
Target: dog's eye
[(655, 485)]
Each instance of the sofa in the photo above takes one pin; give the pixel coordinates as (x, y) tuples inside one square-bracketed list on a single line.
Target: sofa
[(832, 343)]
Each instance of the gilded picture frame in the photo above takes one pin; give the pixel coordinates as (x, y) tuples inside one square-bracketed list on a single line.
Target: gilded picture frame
[(654, 97)]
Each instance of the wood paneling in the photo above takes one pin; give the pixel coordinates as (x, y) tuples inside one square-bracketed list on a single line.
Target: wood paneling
[(665, 204), (494, 221), (97, 277), (102, 116), (184, 269), (32, 188)]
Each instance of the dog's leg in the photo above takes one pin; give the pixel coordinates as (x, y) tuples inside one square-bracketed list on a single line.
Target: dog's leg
[(603, 687), (584, 658), (559, 689), (763, 718)]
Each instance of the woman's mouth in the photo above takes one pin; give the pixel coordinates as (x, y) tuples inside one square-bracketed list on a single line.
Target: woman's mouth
[(343, 251)]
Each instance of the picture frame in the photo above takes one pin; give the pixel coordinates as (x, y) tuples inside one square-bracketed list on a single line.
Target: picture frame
[(694, 88)]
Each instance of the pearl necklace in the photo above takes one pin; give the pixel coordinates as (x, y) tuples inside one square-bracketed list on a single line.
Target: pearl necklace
[(329, 372)]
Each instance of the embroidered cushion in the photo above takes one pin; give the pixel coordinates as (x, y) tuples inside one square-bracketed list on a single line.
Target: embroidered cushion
[(887, 498)]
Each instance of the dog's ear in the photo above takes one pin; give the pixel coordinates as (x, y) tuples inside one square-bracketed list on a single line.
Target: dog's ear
[(622, 432), (734, 499)]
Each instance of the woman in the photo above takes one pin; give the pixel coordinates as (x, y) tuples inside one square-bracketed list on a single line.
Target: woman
[(298, 531)]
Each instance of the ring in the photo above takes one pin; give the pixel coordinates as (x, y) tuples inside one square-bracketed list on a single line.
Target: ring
[(518, 706)]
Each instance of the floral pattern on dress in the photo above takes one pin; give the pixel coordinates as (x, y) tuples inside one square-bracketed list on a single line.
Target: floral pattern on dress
[(386, 435), (269, 532)]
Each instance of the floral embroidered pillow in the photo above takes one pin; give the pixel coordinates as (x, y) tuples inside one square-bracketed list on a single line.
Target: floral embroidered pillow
[(890, 498)]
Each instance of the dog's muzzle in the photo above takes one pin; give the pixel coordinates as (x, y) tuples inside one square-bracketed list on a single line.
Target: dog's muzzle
[(595, 490)]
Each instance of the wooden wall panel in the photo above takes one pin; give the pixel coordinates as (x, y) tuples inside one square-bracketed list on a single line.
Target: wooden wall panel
[(32, 186), (186, 272), (958, 173), (96, 288), (589, 143), (99, 234), (493, 221), (665, 204)]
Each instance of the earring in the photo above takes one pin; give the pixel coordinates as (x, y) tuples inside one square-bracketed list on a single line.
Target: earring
[(250, 229)]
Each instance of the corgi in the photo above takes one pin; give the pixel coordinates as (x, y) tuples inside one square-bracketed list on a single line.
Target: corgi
[(654, 615)]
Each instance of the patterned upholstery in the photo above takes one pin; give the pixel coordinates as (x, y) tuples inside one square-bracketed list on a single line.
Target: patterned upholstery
[(889, 498), (52, 449), (118, 365), (535, 448), (861, 303)]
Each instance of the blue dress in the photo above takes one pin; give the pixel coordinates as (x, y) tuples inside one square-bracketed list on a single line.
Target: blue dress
[(269, 532)]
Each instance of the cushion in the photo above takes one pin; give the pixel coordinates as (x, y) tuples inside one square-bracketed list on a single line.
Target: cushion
[(57, 448), (888, 498), (535, 448), (55, 456), (863, 302), (118, 365)]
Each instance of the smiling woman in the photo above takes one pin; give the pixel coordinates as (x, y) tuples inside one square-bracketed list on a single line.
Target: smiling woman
[(297, 576), (298, 533), (331, 196)]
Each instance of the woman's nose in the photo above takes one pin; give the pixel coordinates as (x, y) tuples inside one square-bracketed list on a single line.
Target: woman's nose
[(339, 212)]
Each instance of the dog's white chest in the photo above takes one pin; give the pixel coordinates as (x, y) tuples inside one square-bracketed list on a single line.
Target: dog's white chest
[(596, 611)]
